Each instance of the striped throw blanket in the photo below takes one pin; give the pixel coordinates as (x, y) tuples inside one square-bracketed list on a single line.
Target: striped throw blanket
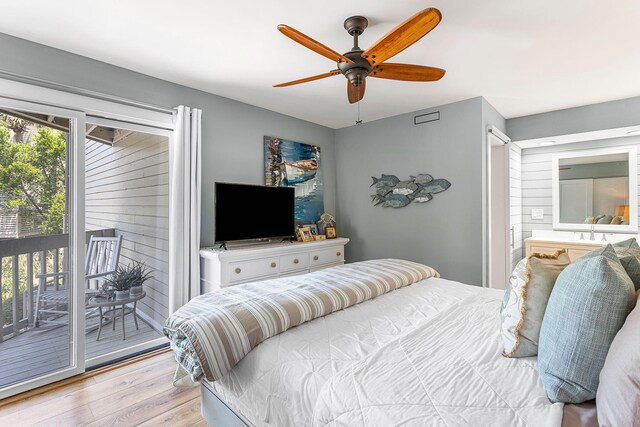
[(213, 332)]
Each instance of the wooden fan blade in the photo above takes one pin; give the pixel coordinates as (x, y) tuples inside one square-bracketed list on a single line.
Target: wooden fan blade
[(355, 93), (309, 79), (310, 43), (403, 36), (407, 72)]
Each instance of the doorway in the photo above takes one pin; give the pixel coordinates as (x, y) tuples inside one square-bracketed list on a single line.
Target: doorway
[(127, 197), (500, 229), (45, 328)]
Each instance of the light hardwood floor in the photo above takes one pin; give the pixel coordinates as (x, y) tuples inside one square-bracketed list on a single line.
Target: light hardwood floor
[(39, 351), (139, 393)]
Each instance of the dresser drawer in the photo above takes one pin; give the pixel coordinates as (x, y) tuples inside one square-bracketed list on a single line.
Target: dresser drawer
[(574, 250), (294, 273), (243, 270), (325, 266), (545, 250), (574, 254), (293, 262), (326, 256)]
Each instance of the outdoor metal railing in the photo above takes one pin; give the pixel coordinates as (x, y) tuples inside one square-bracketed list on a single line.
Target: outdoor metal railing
[(32, 255)]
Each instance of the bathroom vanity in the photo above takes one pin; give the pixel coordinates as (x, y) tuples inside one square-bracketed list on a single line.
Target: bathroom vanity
[(575, 243)]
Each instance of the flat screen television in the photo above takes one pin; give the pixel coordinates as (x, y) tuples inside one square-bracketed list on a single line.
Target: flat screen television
[(248, 212)]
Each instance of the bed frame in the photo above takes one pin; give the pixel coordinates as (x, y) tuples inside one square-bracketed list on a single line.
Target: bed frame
[(216, 412)]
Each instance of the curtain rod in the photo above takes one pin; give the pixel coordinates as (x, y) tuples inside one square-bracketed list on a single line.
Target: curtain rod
[(498, 134), (79, 91)]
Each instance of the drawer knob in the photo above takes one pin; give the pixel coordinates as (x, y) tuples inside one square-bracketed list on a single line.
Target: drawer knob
[(338, 253), (238, 270), (273, 265), (315, 258), (296, 261)]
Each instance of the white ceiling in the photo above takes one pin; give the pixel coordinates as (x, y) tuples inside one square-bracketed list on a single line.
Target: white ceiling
[(523, 57)]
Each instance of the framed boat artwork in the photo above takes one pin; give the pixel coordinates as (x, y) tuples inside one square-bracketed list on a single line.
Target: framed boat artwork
[(294, 164)]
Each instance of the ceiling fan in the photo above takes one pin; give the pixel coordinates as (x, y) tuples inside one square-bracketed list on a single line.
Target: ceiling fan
[(357, 64)]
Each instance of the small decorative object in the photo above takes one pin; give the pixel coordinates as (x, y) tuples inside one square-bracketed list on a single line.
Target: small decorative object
[(320, 237), (305, 232), (391, 192), (298, 226), (330, 232), (326, 220), (313, 228), (293, 164), (126, 278)]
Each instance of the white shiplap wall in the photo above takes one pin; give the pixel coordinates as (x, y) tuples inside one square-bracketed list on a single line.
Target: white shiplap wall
[(515, 203), (127, 189), (536, 178)]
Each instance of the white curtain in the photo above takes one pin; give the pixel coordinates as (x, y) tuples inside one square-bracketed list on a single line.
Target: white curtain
[(184, 207)]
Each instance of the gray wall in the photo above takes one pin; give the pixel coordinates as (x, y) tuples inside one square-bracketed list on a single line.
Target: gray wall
[(232, 132), (232, 151), (606, 115), (445, 232)]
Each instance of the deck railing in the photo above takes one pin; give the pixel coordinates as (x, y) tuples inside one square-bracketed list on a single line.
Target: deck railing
[(20, 261)]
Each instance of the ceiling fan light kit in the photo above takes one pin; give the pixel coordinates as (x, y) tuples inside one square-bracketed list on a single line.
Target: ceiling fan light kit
[(357, 64)]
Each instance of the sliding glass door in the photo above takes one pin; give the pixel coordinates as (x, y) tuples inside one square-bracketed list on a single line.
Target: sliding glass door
[(41, 244), (84, 182), (127, 199)]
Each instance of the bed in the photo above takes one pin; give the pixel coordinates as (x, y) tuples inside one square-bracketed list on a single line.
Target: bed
[(428, 353)]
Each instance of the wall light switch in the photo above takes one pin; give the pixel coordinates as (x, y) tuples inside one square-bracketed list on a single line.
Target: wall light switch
[(537, 214)]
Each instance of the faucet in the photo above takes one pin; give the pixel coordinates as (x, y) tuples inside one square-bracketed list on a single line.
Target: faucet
[(592, 235)]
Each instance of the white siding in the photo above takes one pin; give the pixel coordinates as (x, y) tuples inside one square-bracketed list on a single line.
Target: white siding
[(536, 179), (515, 203), (127, 189)]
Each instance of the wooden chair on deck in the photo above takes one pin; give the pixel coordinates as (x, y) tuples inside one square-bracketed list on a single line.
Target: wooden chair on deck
[(52, 299)]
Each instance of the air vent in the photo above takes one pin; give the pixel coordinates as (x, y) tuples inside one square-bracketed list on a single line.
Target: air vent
[(426, 118)]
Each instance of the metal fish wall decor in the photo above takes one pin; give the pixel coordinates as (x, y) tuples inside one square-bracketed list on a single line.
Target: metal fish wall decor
[(391, 192)]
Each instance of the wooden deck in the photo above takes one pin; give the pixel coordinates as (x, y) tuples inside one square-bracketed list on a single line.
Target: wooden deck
[(46, 349)]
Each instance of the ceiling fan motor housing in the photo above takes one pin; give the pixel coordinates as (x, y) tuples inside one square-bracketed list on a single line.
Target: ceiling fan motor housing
[(358, 71), (355, 25)]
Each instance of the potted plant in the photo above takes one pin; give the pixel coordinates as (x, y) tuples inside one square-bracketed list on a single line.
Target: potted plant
[(127, 281), (119, 283), (139, 274)]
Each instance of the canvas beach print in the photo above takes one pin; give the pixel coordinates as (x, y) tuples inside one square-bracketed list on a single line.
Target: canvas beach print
[(293, 164)]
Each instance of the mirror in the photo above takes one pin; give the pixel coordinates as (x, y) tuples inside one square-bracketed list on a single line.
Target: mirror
[(595, 188)]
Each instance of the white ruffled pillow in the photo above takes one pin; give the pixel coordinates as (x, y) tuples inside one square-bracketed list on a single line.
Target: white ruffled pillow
[(525, 301)]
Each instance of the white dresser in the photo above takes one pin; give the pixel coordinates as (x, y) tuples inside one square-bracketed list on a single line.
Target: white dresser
[(220, 268)]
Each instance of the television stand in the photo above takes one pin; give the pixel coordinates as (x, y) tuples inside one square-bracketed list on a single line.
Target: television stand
[(250, 263)]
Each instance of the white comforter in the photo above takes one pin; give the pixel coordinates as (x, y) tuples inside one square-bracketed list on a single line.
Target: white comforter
[(427, 354)]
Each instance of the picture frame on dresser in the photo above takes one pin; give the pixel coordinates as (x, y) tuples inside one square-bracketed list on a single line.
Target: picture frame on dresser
[(306, 235), (313, 228)]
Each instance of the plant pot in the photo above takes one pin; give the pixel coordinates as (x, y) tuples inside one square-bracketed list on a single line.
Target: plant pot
[(135, 290), (120, 295)]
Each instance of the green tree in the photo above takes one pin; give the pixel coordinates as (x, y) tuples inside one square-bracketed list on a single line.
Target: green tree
[(32, 175)]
